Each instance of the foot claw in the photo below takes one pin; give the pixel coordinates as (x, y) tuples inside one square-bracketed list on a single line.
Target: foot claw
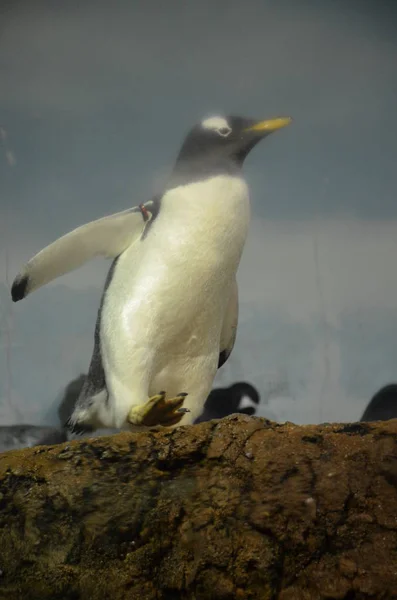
[(171, 420)]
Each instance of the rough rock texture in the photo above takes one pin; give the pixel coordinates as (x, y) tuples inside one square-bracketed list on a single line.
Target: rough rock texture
[(232, 509)]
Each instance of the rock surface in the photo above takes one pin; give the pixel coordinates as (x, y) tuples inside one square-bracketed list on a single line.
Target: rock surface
[(231, 509)]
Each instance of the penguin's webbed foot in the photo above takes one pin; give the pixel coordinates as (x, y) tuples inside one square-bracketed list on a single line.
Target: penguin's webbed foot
[(158, 411)]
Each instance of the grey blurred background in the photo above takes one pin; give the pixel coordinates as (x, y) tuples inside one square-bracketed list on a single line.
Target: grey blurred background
[(95, 98)]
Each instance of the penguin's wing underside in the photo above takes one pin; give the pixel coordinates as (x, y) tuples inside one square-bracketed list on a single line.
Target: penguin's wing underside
[(107, 237), (229, 328)]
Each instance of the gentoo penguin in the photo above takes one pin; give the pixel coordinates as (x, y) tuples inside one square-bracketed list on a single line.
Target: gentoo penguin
[(383, 405), (241, 397), (168, 315)]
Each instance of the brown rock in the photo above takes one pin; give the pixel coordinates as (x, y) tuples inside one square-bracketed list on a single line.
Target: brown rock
[(238, 508)]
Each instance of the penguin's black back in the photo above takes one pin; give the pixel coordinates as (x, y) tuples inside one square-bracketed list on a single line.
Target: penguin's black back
[(383, 405)]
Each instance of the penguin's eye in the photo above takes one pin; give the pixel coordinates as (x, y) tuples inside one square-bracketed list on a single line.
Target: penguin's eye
[(224, 131)]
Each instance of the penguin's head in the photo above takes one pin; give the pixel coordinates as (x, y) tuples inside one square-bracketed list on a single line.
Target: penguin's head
[(245, 397), (241, 397), (220, 140)]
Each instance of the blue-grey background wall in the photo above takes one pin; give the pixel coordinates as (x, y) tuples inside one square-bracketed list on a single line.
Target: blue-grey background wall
[(95, 98)]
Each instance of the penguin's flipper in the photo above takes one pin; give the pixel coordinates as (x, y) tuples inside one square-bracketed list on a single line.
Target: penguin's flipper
[(229, 328), (107, 237)]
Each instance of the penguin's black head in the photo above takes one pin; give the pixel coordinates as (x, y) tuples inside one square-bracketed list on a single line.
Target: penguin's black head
[(222, 143), (245, 397), (241, 397)]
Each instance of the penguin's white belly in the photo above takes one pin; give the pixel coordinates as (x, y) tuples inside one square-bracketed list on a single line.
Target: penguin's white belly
[(163, 310)]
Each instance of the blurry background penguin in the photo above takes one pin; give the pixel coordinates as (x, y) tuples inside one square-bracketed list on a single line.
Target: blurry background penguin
[(383, 405), (241, 397), (17, 436)]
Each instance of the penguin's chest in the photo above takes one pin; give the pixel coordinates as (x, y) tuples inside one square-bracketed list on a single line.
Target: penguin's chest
[(178, 278)]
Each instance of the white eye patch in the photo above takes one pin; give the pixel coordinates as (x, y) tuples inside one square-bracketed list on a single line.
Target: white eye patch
[(218, 124)]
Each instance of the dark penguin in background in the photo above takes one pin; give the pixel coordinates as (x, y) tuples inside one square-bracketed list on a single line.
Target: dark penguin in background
[(383, 405), (241, 397), (67, 406), (68, 402), (13, 437)]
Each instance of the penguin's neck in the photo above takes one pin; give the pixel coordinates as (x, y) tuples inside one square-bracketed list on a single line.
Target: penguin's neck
[(213, 208), (201, 168)]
